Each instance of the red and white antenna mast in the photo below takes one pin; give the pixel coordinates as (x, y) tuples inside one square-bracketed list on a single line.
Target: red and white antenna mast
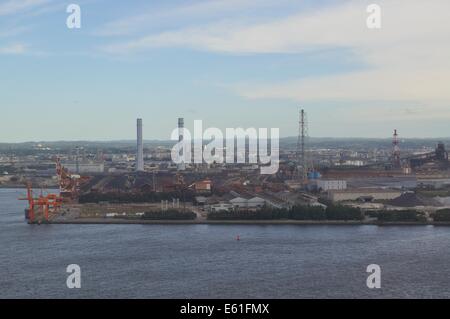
[(396, 150)]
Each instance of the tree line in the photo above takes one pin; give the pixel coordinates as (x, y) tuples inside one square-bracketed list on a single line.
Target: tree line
[(170, 214), (332, 212), (128, 197)]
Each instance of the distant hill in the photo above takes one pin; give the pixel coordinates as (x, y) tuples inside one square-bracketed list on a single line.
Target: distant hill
[(316, 142)]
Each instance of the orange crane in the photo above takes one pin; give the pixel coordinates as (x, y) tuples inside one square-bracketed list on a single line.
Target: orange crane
[(42, 205), (69, 185)]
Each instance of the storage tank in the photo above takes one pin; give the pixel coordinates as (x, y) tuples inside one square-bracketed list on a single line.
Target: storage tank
[(314, 175)]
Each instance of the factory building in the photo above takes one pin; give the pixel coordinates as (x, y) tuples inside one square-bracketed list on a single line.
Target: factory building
[(203, 186), (85, 168), (400, 182), (221, 207), (331, 184), (254, 202), (367, 194)]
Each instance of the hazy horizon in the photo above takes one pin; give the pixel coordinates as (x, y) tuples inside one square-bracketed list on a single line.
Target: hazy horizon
[(132, 141)]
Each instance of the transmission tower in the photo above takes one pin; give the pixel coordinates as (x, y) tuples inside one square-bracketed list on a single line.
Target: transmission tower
[(396, 150), (302, 167)]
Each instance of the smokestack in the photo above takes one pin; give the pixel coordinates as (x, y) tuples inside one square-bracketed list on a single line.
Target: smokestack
[(140, 148), (180, 128), (181, 166)]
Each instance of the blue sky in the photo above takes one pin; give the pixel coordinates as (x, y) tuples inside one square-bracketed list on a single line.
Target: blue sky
[(229, 63)]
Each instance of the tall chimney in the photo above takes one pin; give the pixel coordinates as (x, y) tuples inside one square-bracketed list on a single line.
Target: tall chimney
[(181, 166), (140, 148), (180, 128)]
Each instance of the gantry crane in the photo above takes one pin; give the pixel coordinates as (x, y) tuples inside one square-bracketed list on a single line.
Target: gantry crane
[(69, 184), (42, 205)]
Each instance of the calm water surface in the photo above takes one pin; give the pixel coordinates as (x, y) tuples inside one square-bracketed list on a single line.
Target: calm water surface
[(206, 261)]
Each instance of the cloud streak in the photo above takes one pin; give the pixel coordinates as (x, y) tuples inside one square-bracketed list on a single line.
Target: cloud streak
[(12, 7), (13, 49), (13, 31), (407, 60), (198, 11)]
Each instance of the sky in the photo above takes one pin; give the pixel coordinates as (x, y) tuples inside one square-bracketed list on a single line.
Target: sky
[(230, 63)]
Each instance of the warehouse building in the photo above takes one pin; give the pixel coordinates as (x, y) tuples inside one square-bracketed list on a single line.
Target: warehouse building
[(367, 194)]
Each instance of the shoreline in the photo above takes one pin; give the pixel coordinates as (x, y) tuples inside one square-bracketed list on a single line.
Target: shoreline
[(98, 221), (15, 187)]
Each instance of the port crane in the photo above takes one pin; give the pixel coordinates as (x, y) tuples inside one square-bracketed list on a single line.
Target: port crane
[(69, 184), (43, 205)]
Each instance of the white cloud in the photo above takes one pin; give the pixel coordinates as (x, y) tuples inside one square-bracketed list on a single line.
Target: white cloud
[(15, 6), (379, 84), (210, 10), (406, 60), (13, 31), (339, 26), (13, 49)]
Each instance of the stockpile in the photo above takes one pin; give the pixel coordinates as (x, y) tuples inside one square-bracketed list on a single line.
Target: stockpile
[(412, 200)]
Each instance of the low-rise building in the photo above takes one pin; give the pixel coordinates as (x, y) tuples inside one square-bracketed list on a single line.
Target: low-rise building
[(84, 168), (221, 207), (256, 202), (331, 184), (203, 186), (239, 202), (363, 193)]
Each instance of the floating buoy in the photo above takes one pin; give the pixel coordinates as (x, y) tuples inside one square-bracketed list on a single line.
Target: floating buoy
[(238, 238)]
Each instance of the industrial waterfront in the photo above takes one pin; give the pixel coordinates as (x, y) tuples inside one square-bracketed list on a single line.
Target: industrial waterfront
[(247, 151), (350, 181), (206, 261)]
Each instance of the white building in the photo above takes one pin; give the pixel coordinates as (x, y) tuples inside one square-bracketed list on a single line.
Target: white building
[(84, 168), (239, 202), (254, 202), (221, 207), (329, 184)]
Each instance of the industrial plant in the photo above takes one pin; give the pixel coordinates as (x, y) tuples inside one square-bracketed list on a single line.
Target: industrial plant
[(122, 183)]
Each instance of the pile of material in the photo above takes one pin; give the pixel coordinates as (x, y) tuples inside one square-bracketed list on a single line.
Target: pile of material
[(412, 200)]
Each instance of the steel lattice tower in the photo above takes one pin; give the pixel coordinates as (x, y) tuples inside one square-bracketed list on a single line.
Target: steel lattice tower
[(302, 169), (396, 150)]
